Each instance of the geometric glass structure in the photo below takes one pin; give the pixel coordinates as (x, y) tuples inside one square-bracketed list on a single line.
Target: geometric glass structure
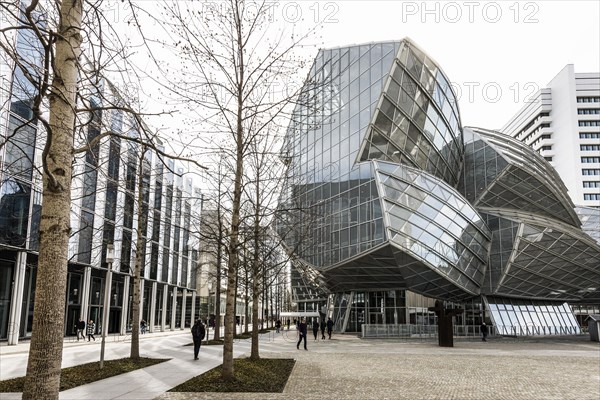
[(385, 190)]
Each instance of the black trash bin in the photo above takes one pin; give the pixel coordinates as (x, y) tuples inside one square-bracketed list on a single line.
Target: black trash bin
[(594, 327)]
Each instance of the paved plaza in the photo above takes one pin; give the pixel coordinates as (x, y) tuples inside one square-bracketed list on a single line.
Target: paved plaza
[(347, 367)]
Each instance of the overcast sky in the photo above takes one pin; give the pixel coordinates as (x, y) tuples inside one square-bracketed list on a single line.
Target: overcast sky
[(495, 53)]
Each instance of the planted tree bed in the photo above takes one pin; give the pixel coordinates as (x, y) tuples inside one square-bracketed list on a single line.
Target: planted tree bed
[(266, 375), (87, 373)]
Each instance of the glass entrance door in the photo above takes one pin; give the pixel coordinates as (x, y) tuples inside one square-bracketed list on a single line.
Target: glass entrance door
[(73, 313), (376, 318), (6, 272)]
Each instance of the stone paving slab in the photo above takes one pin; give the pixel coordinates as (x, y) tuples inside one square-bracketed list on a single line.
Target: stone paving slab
[(350, 368), (347, 367)]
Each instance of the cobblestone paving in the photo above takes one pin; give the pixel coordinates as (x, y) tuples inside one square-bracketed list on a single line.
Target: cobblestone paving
[(350, 368)]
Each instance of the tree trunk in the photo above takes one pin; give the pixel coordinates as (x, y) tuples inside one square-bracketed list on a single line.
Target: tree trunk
[(246, 300), (218, 289), (140, 243), (254, 354), (217, 311), (45, 353), (227, 372)]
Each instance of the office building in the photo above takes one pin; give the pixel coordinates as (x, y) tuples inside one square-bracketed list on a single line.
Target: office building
[(390, 203), (562, 123), (104, 212)]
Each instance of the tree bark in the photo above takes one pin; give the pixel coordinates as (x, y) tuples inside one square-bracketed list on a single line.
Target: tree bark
[(45, 355), (137, 275)]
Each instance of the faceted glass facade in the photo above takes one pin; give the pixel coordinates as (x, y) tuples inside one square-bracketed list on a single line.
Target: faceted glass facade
[(538, 249), (385, 191), (590, 221), (519, 318)]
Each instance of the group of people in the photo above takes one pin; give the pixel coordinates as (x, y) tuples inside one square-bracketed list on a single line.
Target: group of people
[(302, 330), (91, 328), (199, 332)]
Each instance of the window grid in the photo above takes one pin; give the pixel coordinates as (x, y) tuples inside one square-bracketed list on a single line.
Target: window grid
[(589, 135), (589, 123), (588, 99), (592, 160), (589, 147)]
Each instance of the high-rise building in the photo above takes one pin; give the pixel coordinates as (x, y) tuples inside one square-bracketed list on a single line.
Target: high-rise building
[(562, 123), (390, 203), (104, 212)]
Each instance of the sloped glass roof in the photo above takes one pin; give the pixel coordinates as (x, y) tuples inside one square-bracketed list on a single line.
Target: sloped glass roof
[(523, 181), (549, 260)]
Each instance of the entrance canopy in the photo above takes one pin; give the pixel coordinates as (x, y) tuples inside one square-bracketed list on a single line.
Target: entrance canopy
[(294, 314)]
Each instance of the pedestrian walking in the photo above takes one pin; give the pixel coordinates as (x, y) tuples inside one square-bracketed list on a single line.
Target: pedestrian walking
[(329, 327), (277, 326), (323, 329), (91, 328), (315, 327), (484, 332), (81, 329), (143, 326), (288, 324), (198, 333), (301, 334)]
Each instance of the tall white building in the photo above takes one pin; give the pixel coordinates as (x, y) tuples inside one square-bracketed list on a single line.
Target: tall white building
[(562, 123)]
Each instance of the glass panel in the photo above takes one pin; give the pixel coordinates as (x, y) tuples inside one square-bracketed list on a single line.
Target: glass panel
[(14, 211)]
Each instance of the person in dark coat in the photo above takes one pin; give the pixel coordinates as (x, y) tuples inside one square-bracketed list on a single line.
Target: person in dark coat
[(81, 329), (277, 325), (198, 333), (301, 334), (329, 327), (323, 329), (484, 332), (91, 327), (315, 327)]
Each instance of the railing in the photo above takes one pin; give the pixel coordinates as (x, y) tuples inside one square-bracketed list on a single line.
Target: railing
[(400, 331), (536, 330), (430, 331)]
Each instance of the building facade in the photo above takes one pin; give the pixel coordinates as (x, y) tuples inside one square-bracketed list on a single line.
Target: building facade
[(104, 212), (390, 204), (562, 123)]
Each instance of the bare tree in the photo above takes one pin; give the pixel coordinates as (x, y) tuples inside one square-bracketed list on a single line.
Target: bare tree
[(213, 232), (59, 79), (231, 65)]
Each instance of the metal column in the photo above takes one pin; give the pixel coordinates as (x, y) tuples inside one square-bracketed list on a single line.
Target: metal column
[(16, 300)]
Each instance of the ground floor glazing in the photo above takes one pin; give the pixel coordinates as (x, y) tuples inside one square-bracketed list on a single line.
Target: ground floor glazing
[(163, 306), (354, 311)]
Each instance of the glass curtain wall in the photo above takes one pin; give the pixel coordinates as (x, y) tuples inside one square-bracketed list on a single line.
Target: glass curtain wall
[(401, 307), (517, 317)]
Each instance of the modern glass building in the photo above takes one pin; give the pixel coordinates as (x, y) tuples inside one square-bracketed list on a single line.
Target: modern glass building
[(390, 204), (104, 211)]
